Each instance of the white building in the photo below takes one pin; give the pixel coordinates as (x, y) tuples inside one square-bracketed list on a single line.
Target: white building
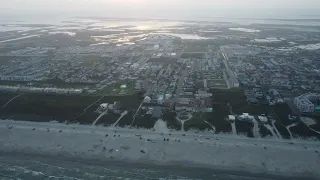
[(41, 90), (235, 82), (263, 119), (246, 116), (303, 102), (231, 117), (104, 105), (203, 94), (147, 99)]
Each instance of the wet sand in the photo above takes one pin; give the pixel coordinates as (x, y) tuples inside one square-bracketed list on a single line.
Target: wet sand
[(271, 156)]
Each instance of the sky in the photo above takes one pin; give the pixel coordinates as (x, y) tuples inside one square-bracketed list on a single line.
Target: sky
[(164, 8)]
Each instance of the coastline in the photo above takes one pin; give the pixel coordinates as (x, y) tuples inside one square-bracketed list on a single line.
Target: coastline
[(228, 154), (172, 166)]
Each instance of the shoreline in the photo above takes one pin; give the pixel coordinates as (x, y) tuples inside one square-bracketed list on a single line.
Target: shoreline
[(228, 154), (161, 166)]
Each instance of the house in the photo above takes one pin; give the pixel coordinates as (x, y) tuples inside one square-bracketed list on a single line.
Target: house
[(104, 106), (263, 119), (231, 117), (246, 116)]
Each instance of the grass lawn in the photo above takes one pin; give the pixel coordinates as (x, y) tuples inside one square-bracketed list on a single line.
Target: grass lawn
[(108, 119), (50, 107), (244, 127), (6, 96), (217, 118), (144, 122), (238, 101), (282, 130), (264, 131), (303, 131), (126, 120), (170, 118), (115, 90), (197, 122), (44, 107), (13, 83)]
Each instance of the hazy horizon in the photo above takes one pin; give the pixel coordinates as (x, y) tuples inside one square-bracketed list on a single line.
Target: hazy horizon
[(176, 9)]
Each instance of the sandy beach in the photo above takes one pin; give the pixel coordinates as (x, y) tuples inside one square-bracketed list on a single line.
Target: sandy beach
[(272, 156)]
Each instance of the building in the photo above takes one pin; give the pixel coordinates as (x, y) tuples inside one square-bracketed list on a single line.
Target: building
[(231, 117), (147, 99), (203, 94), (246, 117), (234, 81), (123, 86), (304, 102), (40, 90), (263, 119), (116, 105), (104, 106)]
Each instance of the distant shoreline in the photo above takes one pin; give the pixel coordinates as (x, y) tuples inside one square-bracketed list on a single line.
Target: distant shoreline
[(204, 19), (215, 17)]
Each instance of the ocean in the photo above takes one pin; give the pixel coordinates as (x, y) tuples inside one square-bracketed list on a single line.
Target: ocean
[(17, 166), (242, 20)]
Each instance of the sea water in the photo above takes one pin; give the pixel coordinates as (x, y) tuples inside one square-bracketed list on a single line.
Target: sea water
[(33, 167)]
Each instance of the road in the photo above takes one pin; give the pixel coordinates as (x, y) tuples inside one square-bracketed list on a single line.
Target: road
[(102, 114), (313, 130), (255, 128), (122, 114), (23, 55), (233, 123), (275, 128), (183, 121), (225, 77), (288, 128), (270, 129), (228, 71), (183, 74), (24, 37), (234, 129), (224, 58), (134, 116), (214, 128), (182, 126)]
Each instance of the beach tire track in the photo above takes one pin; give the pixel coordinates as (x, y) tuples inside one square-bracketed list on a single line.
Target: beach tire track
[(85, 110), (5, 105)]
